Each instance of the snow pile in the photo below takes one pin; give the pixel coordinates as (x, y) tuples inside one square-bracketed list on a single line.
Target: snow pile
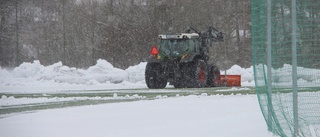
[(247, 78), (306, 77), (136, 73), (282, 76), (102, 72), (103, 75)]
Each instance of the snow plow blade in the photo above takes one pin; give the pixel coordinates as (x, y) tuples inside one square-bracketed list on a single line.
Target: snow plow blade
[(230, 80)]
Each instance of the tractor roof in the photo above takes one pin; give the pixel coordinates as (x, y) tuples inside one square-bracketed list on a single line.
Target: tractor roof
[(179, 36)]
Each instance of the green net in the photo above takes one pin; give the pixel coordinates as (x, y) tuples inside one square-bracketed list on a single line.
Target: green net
[(274, 64)]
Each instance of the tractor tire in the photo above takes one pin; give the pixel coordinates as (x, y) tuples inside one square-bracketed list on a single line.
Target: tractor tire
[(187, 80), (213, 77), (198, 74), (180, 82), (154, 76)]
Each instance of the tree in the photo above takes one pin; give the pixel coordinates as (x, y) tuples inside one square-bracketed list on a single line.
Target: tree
[(78, 32)]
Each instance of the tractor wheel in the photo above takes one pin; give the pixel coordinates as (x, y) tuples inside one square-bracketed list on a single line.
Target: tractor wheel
[(199, 74), (154, 76), (213, 77), (180, 82)]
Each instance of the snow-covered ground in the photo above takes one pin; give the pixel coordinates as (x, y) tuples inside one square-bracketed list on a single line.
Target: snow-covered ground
[(201, 115), (190, 116)]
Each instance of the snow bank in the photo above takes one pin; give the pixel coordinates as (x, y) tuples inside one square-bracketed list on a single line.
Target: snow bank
[(136, 73), (102, 72), (103, 75), (282, 76)]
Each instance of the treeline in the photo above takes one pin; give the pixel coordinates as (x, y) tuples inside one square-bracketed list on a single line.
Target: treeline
[(78, 32)]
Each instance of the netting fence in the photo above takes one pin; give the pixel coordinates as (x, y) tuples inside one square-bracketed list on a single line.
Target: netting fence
[(286, 60)]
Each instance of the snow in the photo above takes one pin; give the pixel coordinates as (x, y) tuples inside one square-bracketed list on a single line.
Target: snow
[(247, 78), (307, 77), (234, 89), (188, 116), (103, 75), (202, 115), (57, 77), (12, 101)]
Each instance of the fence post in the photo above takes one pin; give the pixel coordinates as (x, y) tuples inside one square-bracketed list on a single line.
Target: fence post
[(294, 69), (269, 75)]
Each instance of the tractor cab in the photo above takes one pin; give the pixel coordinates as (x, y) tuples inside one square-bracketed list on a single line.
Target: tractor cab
[(178, 46)]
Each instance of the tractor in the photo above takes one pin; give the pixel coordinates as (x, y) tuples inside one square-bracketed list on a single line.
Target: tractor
[(182, 60)]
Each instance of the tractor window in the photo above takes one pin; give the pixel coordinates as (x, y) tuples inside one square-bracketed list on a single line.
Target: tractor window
[(175, 46), (165, 47), (191, 45), (196, 45)]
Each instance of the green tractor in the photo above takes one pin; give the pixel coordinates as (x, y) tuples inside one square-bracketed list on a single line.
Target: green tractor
[(182, 60)]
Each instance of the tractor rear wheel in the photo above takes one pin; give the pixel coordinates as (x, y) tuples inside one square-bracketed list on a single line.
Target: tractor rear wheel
[(213, 77), (154, 76), (199, 74)]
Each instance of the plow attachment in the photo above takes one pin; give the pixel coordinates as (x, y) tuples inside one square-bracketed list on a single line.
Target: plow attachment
[(230, 80)]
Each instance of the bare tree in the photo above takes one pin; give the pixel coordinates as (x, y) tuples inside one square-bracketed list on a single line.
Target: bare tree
[(78, 32)]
